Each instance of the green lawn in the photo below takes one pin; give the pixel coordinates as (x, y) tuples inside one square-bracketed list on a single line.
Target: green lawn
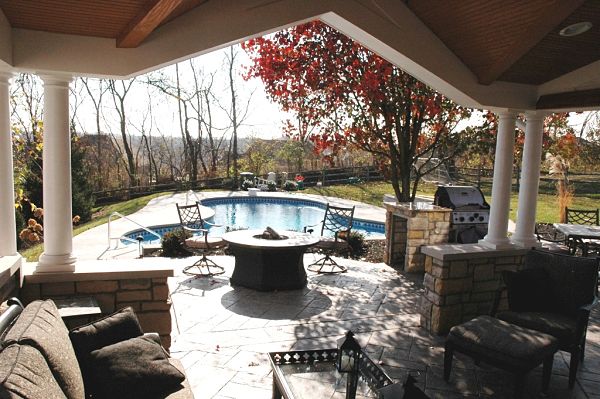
[(100, 216), (372, 193)]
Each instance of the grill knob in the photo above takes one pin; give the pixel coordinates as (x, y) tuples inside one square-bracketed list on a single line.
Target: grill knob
[(471, 219), (462, 218), (481, 218)]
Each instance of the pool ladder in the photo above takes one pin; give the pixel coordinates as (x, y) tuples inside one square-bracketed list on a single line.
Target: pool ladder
[(124, 238)]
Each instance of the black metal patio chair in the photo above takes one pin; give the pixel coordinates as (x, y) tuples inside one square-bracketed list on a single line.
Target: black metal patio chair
[(192, 222), (337, 221), (552, 239), (588, 217), (583, 216), (554, 294)]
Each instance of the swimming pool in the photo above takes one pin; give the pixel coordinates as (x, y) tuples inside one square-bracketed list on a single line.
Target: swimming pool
[(260, 212)]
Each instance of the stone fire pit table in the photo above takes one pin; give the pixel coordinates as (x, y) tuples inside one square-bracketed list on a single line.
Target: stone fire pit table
[(267, 264)]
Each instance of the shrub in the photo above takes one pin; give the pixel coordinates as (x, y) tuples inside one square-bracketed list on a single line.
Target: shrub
[(172, 243), (271, 185), (357, 242), (290, 185), (20, 223), (246, 184)]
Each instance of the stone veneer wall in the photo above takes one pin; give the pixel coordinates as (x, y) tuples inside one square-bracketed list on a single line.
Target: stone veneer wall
[(408, 227), (461, 282), (147, 295)]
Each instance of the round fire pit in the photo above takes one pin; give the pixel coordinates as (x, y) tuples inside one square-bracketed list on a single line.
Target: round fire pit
[(268, 264)]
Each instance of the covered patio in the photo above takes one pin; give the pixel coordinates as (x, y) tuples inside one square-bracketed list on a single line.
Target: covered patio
[(221, 335), (515, 58)]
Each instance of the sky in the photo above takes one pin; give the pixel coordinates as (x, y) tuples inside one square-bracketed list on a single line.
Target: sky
[(265, 119)]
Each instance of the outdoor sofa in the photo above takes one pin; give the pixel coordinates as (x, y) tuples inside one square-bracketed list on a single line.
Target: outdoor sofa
[(109, 358)]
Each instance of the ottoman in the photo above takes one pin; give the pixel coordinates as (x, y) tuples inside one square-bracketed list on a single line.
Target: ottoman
[(502, 345)]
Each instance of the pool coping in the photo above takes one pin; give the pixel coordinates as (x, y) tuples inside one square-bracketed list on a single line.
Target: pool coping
[(93, 244)]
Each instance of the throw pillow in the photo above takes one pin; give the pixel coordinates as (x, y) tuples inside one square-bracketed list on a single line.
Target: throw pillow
[(108, 330), (117, 327), (136, 368), (528, 290)]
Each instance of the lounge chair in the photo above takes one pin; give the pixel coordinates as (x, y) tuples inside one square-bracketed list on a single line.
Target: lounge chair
[(553, 294)]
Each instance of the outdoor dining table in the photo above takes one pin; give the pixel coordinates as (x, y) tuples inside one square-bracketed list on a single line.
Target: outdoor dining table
[(577, 232)]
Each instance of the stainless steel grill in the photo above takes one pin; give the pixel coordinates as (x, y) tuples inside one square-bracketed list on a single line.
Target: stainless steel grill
[(470, 212)]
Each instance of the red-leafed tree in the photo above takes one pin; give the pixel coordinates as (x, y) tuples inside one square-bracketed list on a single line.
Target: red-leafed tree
[(350, 96)]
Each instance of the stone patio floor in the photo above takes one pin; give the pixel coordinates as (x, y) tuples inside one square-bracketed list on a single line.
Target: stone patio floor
[(222, 334)]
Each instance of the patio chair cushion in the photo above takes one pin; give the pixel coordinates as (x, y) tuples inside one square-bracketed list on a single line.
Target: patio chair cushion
[(137, 367), (199, 242), (512, 345), (330, 243), (25, 374), (555, 324), (573, 279), (41, 327), (528, 290)]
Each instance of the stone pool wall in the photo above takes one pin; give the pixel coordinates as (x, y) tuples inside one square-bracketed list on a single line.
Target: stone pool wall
[(460, 282)]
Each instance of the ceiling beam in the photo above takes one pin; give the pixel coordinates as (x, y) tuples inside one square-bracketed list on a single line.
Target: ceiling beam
[(570, 100), (153, 14), (547, 20)]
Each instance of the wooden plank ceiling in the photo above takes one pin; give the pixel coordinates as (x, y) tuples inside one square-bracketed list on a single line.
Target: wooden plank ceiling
[(508, 40), (129, 21), (514, 40)]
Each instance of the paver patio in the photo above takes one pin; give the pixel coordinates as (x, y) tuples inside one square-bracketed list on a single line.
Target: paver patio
[(221, 334)]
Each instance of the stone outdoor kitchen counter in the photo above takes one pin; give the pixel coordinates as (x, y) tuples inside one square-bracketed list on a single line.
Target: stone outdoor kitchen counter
[(460, 282)]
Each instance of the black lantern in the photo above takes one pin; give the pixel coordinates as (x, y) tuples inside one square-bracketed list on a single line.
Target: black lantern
[(348, 354)]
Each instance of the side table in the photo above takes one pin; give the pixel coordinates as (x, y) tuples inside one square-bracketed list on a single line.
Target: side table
[(78, 310), (312, 374)]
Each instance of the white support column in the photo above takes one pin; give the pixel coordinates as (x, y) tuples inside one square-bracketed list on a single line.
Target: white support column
[(501, 186), (8, 235), (58, 227), (530, 180)]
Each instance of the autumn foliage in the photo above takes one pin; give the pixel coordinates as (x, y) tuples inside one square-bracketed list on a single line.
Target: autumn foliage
[(344, 95)]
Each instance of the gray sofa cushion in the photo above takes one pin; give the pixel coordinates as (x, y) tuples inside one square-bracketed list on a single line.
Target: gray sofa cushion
[(40, 326), (24, 373), (137, 367)]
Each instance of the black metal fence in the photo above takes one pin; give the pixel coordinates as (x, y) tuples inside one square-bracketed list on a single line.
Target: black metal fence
[(311, 178)]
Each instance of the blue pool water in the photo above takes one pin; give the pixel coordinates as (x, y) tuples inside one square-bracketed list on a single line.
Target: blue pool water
[(260, 212)]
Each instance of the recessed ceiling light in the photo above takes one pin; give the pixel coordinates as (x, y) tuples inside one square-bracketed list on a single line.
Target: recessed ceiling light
[(576, 29)]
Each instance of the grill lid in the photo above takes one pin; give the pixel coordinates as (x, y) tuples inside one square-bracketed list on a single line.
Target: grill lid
[(460, 197)]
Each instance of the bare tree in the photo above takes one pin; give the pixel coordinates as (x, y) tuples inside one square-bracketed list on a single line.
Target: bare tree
[(184, 99), (204, 98), (236, 114), (119, 90), (95, 94)]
